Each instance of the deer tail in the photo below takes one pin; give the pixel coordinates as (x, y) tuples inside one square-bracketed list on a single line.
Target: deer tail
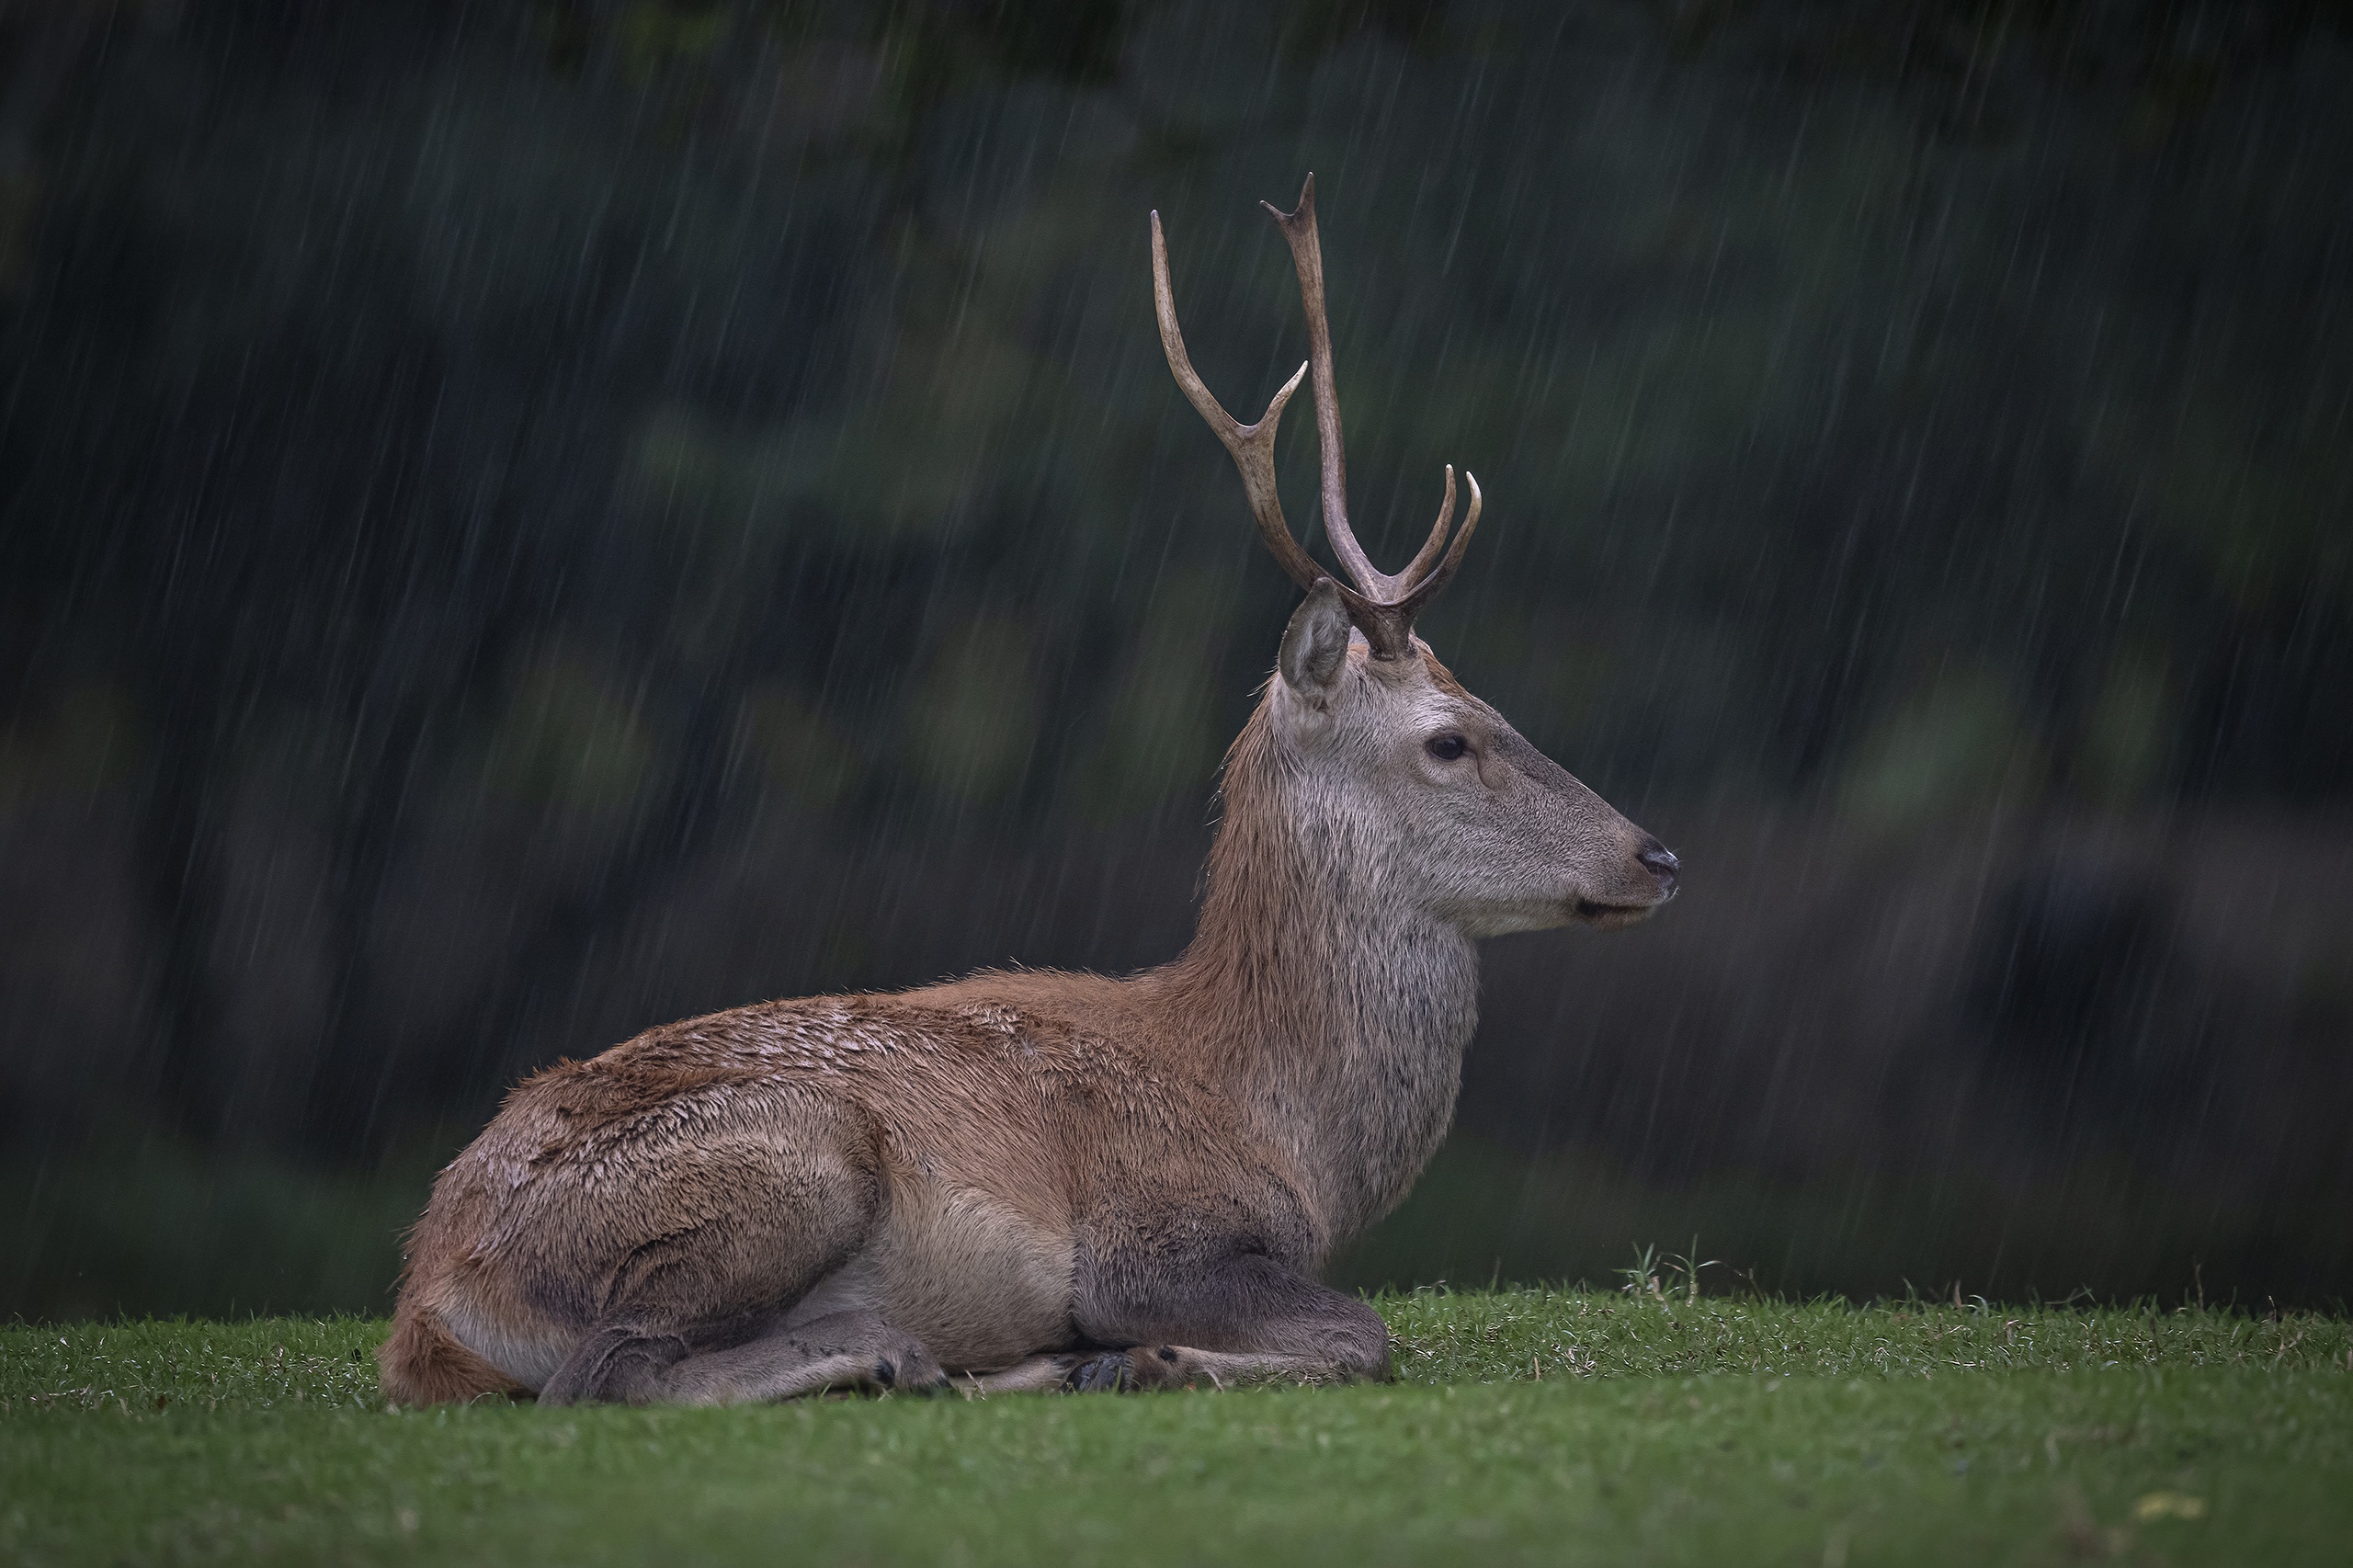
[(423, 1363)]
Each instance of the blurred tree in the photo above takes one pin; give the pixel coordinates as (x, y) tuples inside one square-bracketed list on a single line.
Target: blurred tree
[(605, 432)]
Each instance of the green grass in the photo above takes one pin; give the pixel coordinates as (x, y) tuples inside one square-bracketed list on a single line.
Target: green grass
[(1539, 1426)]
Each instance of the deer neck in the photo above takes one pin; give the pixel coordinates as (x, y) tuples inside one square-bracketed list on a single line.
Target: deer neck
[(1334, 1008)]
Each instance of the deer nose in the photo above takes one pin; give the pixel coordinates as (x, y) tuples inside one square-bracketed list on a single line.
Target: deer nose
[(1660, 863)]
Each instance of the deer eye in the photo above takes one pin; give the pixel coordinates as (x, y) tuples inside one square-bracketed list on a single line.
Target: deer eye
[(1448, 746)]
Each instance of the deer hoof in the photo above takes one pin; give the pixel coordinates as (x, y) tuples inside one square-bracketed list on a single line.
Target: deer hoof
[(909, 1369), (1106, 1373)]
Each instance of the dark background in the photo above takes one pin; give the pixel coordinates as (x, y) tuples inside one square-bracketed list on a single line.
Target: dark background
[(524, 520)]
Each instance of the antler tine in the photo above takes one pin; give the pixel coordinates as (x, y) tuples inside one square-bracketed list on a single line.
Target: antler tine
[(1436, 542), (1307, 256), (1424, 591), (1252, 445)]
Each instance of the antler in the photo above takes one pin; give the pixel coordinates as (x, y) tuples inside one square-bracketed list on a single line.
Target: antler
[(1253, 445), (1382, 607)]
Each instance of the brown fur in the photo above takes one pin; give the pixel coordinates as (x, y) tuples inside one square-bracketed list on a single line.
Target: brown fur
[(422, 1365)]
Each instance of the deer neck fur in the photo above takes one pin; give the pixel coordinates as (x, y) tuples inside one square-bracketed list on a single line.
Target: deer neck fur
[(1334, 1008)]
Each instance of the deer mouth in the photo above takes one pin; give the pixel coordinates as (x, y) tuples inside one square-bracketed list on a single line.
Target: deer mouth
[(1612, 916)]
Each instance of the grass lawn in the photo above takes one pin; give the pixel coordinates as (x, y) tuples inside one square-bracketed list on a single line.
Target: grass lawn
[(1539, 1426)]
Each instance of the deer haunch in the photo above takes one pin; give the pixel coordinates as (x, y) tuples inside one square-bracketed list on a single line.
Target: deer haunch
[(868, 1190)]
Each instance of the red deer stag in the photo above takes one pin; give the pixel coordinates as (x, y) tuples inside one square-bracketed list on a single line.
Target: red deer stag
[(1038, 1180)]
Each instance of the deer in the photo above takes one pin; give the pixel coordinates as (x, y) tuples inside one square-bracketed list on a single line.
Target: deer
[(1033, 1179)]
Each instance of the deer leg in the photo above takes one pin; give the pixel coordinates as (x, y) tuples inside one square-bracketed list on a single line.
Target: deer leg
[(1169, 1366), (734, 1230), (849, 1349), (1038, 1374), (1244, 1320)]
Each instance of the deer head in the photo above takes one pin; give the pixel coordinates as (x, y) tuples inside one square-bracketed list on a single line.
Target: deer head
[(1469, 819)]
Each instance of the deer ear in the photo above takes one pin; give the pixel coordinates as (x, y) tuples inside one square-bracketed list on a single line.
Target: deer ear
[(1315, 644)]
